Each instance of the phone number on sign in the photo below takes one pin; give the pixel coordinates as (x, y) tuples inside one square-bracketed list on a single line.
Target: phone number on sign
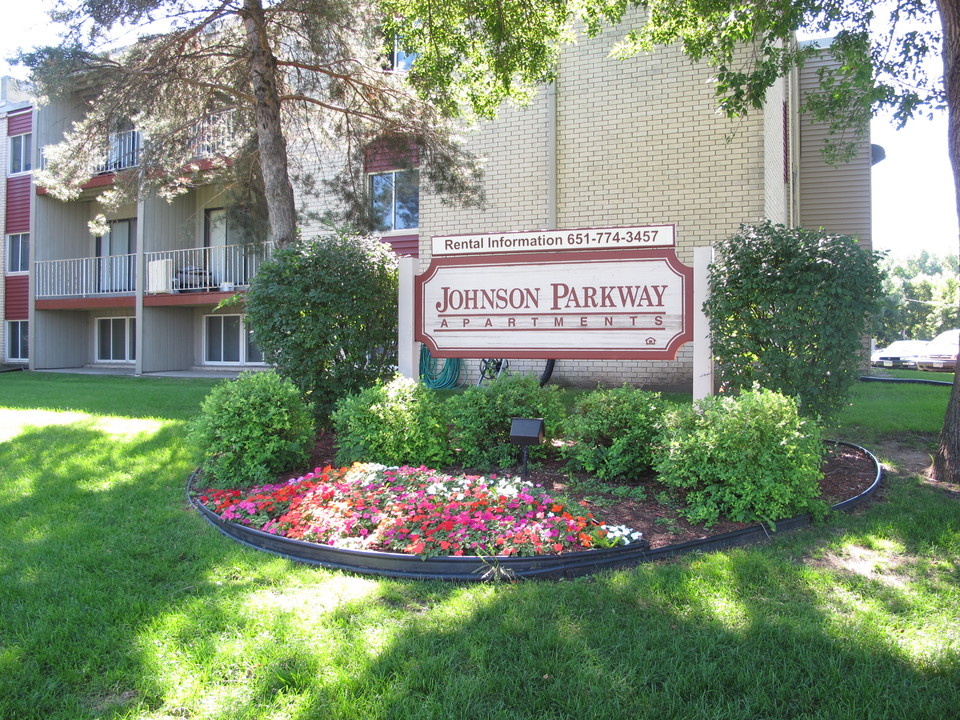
[(611, 237)]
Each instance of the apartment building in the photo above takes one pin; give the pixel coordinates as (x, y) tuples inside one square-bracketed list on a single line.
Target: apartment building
[(611, 143)]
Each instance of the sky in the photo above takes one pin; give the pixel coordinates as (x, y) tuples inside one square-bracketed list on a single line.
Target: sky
[(913, 197)]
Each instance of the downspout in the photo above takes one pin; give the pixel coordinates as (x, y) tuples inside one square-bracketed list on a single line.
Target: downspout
[(552, 156)]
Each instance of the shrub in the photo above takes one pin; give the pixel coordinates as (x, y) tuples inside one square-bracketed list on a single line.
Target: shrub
[(747, 458), (252, 428), (481, 418), (788, 309), (613, 432), (402, 422), (324, 312)]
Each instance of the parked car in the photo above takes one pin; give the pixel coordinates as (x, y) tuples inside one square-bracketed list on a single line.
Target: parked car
[(900, 354), (941, 353)]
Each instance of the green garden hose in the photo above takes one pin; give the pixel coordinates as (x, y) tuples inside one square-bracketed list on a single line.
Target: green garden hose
[(438, 378)]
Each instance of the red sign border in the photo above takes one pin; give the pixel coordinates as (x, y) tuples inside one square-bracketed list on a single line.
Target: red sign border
[(553, 258)]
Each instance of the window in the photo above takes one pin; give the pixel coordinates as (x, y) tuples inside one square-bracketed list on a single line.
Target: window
[(116, 339), (395, 200), (400, 60), (229, 340), (18, 253), (116, 255), (20, 153), (18, 346)]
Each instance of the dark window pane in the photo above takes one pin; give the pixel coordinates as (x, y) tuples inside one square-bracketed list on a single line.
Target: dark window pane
[(408, 200), (26, 152), (214, 339), (254, 354), (231, 338), (381, 197), (103, 339), (119, 340)]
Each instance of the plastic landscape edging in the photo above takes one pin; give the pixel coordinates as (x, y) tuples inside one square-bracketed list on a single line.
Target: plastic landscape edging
[(474, 568), (913, 381)]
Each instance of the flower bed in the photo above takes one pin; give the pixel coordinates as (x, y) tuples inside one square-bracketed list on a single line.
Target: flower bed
[(417, 511)]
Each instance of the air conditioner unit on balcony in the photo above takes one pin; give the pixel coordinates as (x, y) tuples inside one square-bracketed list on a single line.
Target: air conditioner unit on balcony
[(160, 276)]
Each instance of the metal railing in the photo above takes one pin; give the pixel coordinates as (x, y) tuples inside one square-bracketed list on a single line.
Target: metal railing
[(124, 152), (86, 277), (214, 134), (224, 267)]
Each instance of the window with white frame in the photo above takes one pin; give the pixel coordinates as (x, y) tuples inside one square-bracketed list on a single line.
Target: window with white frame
[(21, 148), (18, 253), (395, 200), (400, 60), (116, 339), (227, 339), (18, 341)]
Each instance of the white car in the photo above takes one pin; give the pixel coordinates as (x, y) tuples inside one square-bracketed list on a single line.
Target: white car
[(941, 353), (900, 354)]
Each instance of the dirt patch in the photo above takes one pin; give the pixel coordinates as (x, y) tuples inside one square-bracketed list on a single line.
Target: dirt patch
[(847, 472)]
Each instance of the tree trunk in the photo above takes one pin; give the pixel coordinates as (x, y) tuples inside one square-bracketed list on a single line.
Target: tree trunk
[(281, 209), (946, 464)]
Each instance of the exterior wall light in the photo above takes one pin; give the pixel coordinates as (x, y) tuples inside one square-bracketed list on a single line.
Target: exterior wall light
[(526, 432)]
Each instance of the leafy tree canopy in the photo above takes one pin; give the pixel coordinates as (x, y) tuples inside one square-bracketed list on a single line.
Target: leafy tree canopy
[(921, 298), (317, 72)]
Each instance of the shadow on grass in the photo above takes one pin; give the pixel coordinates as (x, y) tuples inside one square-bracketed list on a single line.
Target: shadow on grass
[(117, 601)]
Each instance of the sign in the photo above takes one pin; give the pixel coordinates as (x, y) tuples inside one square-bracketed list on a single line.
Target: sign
[(640, 236), (604, 304)]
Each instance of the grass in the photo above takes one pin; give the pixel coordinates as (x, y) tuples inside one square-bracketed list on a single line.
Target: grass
[(117, 601), (909, 412)]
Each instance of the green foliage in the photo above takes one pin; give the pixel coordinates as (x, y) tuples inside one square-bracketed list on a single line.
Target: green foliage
[(481, 418), (402, 422), (788, 309), (746, 458), (613, 432), (921, 298), (250, 429), (324, 313)]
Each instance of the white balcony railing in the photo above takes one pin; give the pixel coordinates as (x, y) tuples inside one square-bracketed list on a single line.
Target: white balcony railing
[(86, 277), (214, 134), (124, 152), (224, 267)]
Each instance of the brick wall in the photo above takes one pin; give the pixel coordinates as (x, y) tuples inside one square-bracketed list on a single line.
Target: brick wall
[(638, 142)]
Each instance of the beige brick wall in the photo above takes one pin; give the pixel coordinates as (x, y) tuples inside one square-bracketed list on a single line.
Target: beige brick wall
[(638, 142)]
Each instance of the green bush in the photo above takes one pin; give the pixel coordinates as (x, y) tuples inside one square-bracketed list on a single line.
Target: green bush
[(400, 423), (481, 418), (748, 458), (252, 428), (788, 309), (613, 432), (324, 312)]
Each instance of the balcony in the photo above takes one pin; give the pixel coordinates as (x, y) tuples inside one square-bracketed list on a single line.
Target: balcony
[(124, 152), (222, 268), (86, 277)]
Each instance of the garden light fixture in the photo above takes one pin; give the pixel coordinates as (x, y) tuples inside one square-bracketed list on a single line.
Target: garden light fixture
[(526, 432)]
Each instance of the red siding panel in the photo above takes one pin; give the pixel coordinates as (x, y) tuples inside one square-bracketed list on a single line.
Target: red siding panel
[(20, 123), (383, 157), (17, 297), (404, 244), (18, 203)]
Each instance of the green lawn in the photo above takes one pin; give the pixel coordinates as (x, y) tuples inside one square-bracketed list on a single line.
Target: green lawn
[(117, 601)]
